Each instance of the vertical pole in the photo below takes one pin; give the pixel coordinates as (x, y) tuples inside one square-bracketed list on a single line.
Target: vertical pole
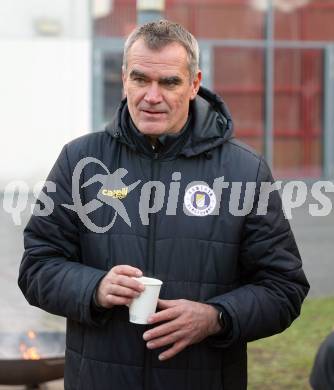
[(206, 65), (91, 37), (328, 138), (269, 85), (98, 50), (97, 95)]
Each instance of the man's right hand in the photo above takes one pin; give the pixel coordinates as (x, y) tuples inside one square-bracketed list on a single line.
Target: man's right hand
[(118, 287)]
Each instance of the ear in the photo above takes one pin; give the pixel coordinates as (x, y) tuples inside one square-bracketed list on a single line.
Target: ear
[(195, 85)]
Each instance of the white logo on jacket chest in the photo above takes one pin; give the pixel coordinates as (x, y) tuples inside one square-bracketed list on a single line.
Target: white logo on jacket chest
[(200, 200)]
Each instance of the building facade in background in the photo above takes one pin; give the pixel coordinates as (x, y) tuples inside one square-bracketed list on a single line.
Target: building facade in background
[(272, 62), (45, 84)]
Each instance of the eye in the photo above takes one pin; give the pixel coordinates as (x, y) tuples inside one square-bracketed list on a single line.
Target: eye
[(139, 80), (171, 83)]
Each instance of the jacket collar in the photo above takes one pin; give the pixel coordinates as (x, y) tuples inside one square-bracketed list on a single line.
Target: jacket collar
[(167, 145)]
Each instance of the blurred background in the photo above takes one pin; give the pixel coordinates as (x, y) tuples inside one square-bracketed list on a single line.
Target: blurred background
[(271, 61)]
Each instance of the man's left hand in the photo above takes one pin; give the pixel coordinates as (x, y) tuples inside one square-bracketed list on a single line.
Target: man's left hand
[(185, 323)]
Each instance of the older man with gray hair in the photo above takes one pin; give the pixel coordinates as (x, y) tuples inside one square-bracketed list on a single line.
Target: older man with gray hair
[(229, 278)]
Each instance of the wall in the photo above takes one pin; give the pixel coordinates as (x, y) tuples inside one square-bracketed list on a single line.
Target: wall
[(45, 84)]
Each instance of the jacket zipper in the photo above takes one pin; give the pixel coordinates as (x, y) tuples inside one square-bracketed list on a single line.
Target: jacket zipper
[(152, 219), (151, 263)]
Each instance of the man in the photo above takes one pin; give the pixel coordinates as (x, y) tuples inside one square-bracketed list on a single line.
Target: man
[(228, 277)]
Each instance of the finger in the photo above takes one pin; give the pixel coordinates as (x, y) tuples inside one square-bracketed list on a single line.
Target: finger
[(166, 303), (127, 282), (127, 270), (161, 330), (115, 300), (121, 291), (175, 349), (168, 339), (164, 315)]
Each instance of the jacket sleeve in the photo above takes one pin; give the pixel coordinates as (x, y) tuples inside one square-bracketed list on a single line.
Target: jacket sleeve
[(273, 284), (51, 274)]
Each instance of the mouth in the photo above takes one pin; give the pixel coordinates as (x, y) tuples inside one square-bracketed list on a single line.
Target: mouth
[(150, 112), (152, 115)]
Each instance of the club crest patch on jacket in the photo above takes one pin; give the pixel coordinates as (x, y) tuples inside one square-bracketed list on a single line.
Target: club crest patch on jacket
[(200, 200)]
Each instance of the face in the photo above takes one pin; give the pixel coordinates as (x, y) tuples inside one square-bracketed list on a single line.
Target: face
[(158, 88)]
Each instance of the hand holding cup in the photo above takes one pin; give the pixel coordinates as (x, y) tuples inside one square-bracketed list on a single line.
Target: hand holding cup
[(119, 286)]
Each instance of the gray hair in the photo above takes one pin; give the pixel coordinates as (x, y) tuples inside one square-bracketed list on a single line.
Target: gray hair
[(159, 34)]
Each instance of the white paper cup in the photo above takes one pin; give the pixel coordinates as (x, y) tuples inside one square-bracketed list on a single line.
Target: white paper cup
[(146, 303)]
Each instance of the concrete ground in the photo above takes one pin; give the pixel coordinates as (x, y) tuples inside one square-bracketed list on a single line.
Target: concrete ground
[(314, 235)]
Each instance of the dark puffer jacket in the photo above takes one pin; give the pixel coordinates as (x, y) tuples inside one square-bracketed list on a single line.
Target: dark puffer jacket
[(249, 264)]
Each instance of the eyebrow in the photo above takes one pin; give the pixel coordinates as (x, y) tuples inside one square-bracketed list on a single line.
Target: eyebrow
[(171, 80), (136, 73), (163, 80)]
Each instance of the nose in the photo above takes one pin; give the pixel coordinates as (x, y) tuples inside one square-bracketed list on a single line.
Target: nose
[(153, 94)]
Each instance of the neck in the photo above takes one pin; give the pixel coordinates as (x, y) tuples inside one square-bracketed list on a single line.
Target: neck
[(152, 139)]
